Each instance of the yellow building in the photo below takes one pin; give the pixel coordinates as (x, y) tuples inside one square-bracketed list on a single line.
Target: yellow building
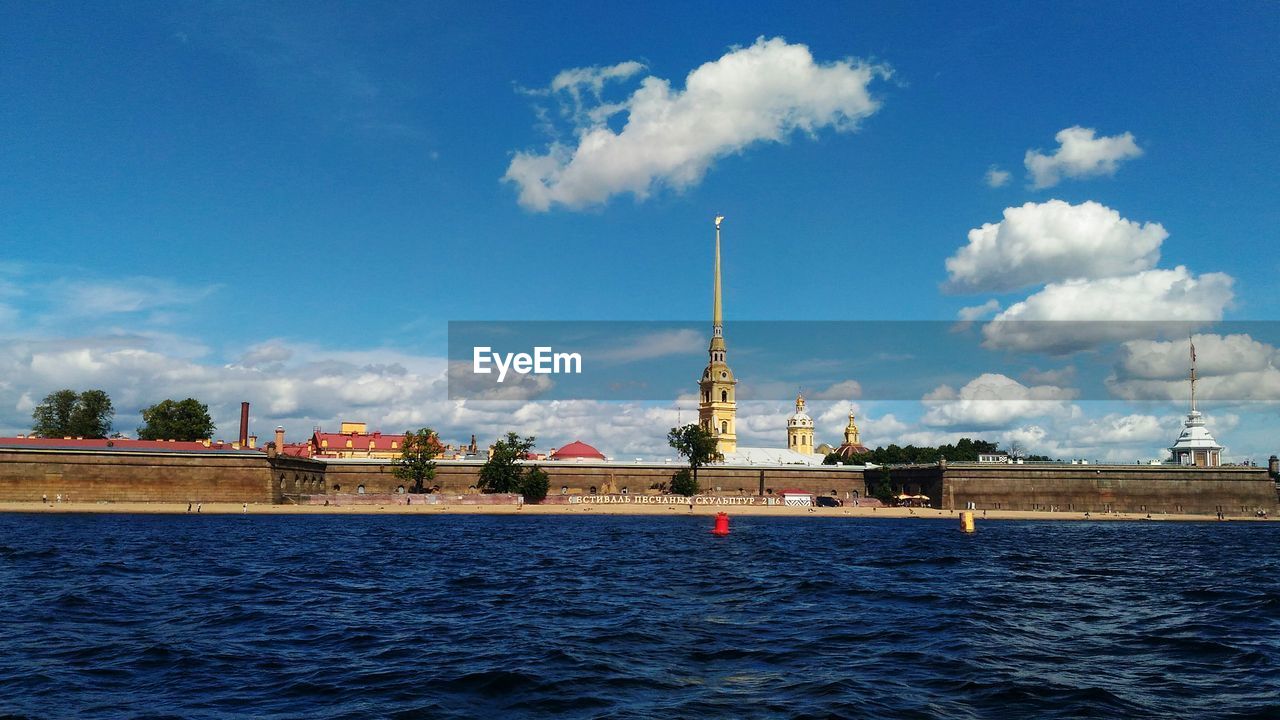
[(800, 429), (717, 407)]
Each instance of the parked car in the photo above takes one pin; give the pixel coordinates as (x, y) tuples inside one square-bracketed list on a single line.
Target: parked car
[(824, 501)]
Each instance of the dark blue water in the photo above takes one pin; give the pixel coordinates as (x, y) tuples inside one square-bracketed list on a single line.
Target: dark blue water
[(329, 616)]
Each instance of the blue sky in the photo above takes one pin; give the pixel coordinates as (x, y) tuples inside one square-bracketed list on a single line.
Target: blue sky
[(307, 193)]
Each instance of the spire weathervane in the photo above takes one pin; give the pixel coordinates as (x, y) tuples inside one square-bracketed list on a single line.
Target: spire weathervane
[(717, 318), (1192, 341)]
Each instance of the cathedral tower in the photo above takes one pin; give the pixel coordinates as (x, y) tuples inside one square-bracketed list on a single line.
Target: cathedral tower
[(800, 429), (716, 405)]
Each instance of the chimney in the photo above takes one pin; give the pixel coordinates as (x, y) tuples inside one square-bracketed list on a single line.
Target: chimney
[(1273, 468), (280, 439), (253, 442), (244, 424)]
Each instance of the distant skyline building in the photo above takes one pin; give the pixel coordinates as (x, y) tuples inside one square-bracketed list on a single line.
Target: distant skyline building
[(717, 406)]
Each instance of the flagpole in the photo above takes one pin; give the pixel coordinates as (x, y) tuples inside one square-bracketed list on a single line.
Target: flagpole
[(1193, 372)]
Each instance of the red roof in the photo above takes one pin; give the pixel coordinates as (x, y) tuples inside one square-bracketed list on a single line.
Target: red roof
[(121, 444), (297, 450), (577, 449), (337, 442), (847, 450)]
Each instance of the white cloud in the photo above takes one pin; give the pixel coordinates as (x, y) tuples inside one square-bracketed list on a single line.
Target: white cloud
[(992, 400), (1117, 429), (662, 343), (1231, 369), (80, 297), (1079, 155), (761, 93), (302, 386), (1060, 376), (1052, 241), (842, 390), (996, 177), (1077, 314), (977, 312)]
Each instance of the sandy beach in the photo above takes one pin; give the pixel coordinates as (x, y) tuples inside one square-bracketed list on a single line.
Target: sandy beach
[(620, 509)]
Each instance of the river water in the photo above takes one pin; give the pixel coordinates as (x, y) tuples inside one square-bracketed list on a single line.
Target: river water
[(106, 616)]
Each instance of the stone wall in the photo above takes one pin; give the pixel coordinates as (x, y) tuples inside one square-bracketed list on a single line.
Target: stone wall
[(137, 476), (346, 499), (580, 478), (1233, 491)]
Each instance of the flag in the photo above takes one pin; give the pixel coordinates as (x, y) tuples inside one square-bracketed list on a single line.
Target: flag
[(1193, 352)]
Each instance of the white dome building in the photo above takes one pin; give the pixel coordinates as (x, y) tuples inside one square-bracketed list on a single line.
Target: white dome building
[(800, 429), (1195, 444)]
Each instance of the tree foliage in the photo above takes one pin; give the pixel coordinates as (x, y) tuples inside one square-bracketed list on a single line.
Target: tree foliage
[(697, 445), (965, 450), (684, 483), (504, 471), (535, 484), (66, 413), (176, 420), (880, 484), (416, 463)]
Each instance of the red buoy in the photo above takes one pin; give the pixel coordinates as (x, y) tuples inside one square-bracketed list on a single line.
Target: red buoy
[(722, 524)]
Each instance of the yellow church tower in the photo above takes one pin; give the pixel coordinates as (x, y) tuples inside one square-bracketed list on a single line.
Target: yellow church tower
[(800, 429), (716, 406)]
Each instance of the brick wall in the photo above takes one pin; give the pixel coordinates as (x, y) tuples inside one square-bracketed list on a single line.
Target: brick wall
[(1095, 488), (130, 476)]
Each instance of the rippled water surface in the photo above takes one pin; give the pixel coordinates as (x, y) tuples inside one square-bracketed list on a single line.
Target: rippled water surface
[(336, 616)]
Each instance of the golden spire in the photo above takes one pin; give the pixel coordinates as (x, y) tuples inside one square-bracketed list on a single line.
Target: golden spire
[(717, 316)]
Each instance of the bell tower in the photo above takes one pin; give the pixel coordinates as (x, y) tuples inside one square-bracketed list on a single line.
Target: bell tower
[(800, 429), (717, 406)]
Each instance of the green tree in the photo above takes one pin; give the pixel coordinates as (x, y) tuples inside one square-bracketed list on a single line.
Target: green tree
[(683, 483), (417, 458), (176, 420), (504, 471), (880, 485), (535, 484), (697, 445), (65, 413)]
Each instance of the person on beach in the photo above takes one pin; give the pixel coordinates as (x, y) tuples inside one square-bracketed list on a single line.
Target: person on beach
[(44, 498), (188, 507), (198, 506), (246, 507)]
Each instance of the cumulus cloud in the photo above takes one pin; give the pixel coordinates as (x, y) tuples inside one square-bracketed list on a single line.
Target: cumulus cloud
[(670, 137), (1117, 429), (302, 386), (1077, 314), (1052, 241), (1080, 155), (1230, 368), (992, 400), (996, 177)]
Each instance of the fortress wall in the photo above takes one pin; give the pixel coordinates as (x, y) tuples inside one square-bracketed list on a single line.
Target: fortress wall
[(105, 476), (1098, 488), (579, 478)]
